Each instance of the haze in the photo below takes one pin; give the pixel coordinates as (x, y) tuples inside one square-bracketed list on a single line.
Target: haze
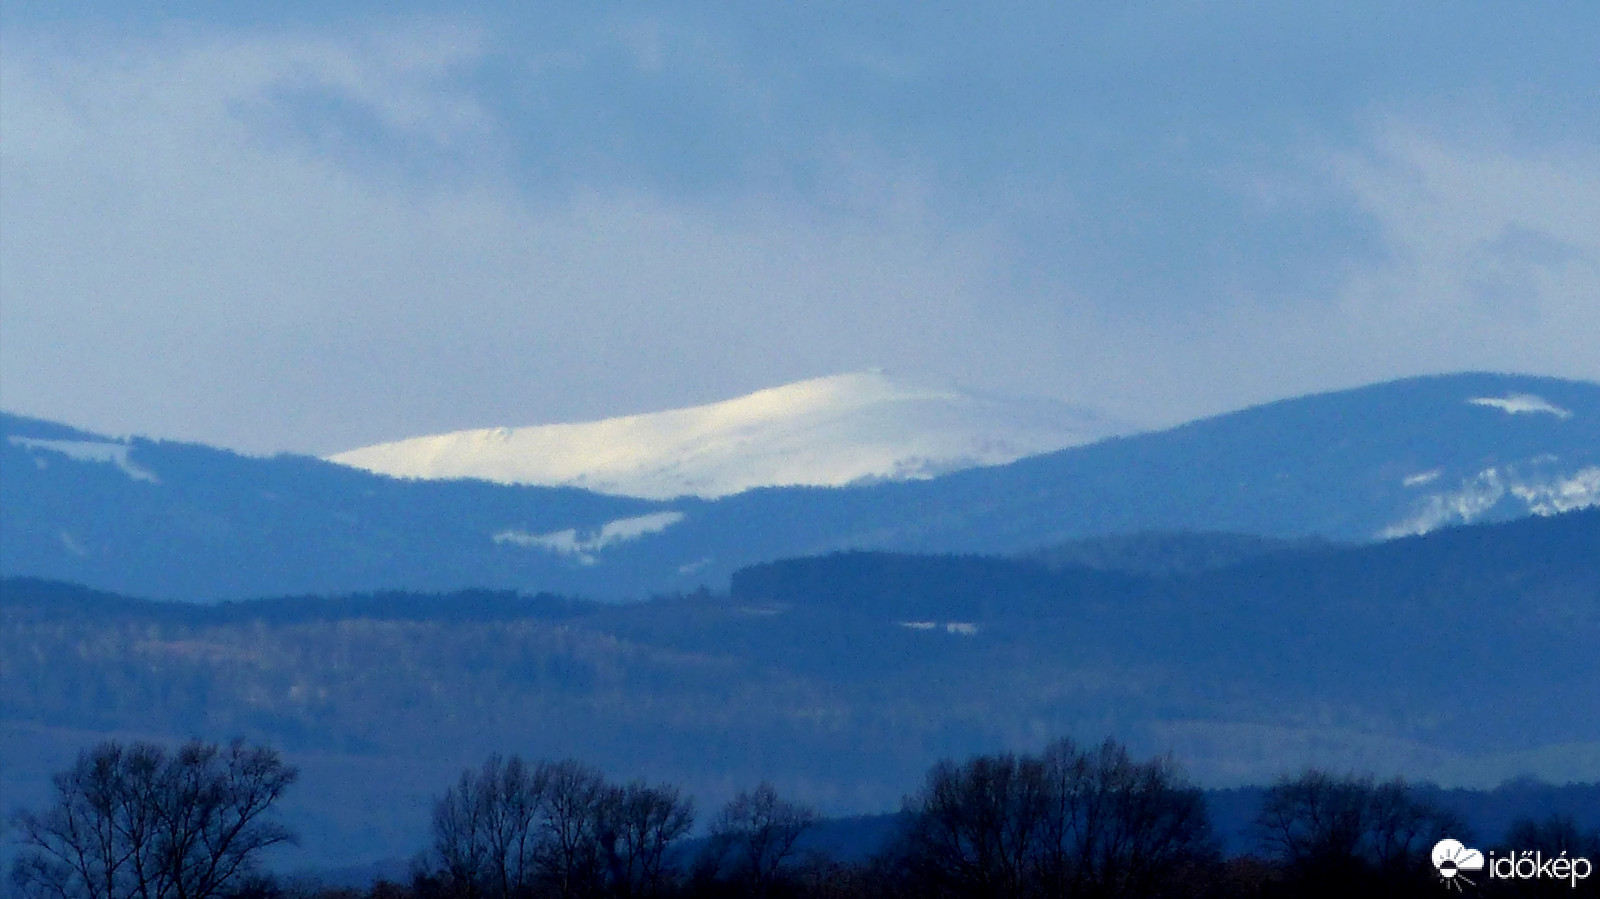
[(336, 224)]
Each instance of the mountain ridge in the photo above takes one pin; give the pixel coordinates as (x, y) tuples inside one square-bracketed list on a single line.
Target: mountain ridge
[(185, 521), (830, 431), (1465, 657)]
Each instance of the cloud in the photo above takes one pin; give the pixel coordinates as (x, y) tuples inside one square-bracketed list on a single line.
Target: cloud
[(1486, 259), (180, 247), (1493, 252), (297, 238)]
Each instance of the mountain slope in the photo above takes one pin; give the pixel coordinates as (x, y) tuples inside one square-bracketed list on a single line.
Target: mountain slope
[(175, 520), (184, 521), (827, 432), (1381, 461), (1468, 648)]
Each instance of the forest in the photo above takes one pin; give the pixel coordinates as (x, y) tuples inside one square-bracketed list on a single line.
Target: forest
[(1455, 657)]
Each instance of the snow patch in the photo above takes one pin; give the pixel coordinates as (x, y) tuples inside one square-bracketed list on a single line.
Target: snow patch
[(959, 628), (1515, 403), (1580, 491), (90, 451), (1478, 494), (691, 567), (569, 543), (1421, 478)]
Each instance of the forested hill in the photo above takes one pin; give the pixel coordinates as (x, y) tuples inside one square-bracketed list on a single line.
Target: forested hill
[(180, 521), (1465, 656), (44, 599), (1470, 564), (1474, 637)]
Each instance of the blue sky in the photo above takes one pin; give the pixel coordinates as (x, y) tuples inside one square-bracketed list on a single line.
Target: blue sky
[(323, 225)]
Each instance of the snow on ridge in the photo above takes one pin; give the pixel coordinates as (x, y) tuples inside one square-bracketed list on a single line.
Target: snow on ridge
[(1516, 403), (1421, 478), (104, 452), (830, 431), (959, 628), (1482, 492), (583, 548), (1581, 491)]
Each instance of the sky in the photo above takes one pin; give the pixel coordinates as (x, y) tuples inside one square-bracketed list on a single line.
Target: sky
[(320, 226)]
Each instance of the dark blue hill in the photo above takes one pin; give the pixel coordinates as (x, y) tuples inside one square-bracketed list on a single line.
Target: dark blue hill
[(1466, 657), (184, 521), (1333, 465)]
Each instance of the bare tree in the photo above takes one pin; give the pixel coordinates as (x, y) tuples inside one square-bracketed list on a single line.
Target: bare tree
[(460, 838), (1346, 833), (1554, 835), (1065, 823), (575, 819), (975, 828), (483, 830), (1119, 827), (646, 821), (1401, 828), (1315, 820), (759, 830), (138, 821), (509, 830)]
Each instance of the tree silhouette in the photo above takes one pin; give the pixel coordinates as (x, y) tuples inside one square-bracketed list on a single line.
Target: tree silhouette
[(1064, 823), (575, 820), (483, 830), (509, 830), (646, 822), (1554, 836), (138, 821), (1334, 835), (758, 829)]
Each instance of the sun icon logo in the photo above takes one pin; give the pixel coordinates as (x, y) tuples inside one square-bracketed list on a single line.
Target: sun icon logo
[(1451, 858)]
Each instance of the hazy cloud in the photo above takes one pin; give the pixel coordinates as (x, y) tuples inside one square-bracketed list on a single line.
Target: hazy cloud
[(313, 237)]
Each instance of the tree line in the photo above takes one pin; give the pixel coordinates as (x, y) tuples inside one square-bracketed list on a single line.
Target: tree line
[(140, 821)]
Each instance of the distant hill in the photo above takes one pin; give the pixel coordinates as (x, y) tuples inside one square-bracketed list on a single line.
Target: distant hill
[(1495, 626), (1466, 656), (824, 432), (1404, 457), (183, 521), (1164, 553)]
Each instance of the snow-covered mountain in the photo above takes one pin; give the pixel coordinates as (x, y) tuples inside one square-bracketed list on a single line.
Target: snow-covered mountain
[(175, 520), (827, 432)]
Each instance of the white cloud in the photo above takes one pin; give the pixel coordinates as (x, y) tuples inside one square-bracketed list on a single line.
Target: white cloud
[(1494, 252), (316, 241), (199, 261), (1491, 261)]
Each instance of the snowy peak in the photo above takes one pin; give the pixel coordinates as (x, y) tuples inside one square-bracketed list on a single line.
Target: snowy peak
[(829, 431)]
